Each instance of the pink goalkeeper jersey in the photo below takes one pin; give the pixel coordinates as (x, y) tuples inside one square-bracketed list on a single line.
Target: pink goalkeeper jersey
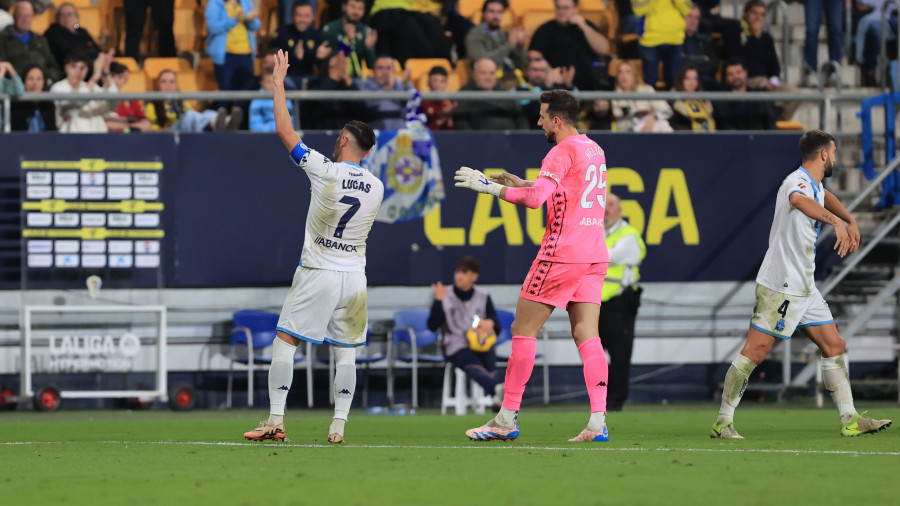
[(576, 208)]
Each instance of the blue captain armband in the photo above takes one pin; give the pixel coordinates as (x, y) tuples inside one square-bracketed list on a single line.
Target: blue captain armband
[(299, 152)]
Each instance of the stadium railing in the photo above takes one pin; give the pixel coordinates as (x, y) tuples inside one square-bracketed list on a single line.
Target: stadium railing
[(827, 100)]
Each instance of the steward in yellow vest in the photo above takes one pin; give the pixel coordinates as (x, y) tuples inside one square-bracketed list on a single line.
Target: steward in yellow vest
[(621, 299)]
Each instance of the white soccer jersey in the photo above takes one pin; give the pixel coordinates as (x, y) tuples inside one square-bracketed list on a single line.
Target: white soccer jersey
[(791, 258), (345, 199)]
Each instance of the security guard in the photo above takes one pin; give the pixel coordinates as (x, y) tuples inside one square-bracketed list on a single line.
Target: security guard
[(621, 299)]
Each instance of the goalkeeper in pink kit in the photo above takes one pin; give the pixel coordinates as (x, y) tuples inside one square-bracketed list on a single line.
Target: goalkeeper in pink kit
[(570, 267)]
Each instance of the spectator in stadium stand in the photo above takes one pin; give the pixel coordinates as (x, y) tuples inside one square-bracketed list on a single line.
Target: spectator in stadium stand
[(638, 115), (352, 37), (163, 14), (663, 37), (487, 114), (405, 33), (304, 44), (21, 47), (65, 35), (571, 40), (695, 115), (742, 115), (595, 115), (129, 115), (868, 36), (255, 83), (180, 116), (334, 114), (439, 112), (540, 77), (262, 110), (286, 10), (84, 116), (231, 43), (756, 48), (10, 84), (698, 50), (33, 116), (386, 114), (834, 21), (487, 40)]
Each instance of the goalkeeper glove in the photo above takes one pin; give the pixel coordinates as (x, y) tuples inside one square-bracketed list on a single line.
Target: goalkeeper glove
[(476, 180)]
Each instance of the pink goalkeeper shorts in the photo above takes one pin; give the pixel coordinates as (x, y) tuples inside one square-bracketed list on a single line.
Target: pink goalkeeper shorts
[(558, 284)]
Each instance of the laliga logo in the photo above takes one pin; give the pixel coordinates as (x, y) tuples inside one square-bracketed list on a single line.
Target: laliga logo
[(129, 345)]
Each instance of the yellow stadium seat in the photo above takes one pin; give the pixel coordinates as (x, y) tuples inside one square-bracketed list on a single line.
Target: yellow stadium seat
[(206, 75), (153, 66), (188, 21), (129, 63), (421, 66), (789, 125), (91, 20), (187, 80), (469, 8), (452, 83), (532, 19), (137, 82), (43, 21), (520, 7)]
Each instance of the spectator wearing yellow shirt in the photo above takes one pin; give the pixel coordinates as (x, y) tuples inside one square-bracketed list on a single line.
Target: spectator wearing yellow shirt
[(231, 43), (662, 36)]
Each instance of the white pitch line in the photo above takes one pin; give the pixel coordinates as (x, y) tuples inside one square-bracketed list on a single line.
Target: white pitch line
[(509, 446), (484, 446)]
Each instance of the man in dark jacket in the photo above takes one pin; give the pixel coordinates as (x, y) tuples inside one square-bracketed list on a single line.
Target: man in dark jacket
[(742, 115), (303, 43), (487, 114), (21, 47)]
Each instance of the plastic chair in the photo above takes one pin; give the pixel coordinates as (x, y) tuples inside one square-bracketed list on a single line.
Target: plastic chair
[(366, 356), (255, 330), (419, 67), (411, 330)]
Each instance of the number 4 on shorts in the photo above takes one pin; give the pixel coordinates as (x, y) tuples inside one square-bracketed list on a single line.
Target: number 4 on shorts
[(782, 310)]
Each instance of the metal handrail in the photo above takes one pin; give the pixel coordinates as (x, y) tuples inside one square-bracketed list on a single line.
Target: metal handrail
[(872, 186), (857, 258), (883, 66)]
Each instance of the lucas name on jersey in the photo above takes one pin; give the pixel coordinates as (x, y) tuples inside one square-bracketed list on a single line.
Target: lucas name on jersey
[(352, 184)]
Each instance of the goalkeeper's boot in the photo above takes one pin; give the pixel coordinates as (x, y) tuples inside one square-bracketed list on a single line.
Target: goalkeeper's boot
[(490, 432), (266, 431), (588, 435), (725, 431), (863, 425)]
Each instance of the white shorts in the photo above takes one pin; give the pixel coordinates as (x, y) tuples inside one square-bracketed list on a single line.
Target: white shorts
[(779, 314), (326, 306)]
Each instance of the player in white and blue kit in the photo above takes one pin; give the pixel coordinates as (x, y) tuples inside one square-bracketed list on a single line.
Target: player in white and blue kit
[(786, 295), (327, 300)]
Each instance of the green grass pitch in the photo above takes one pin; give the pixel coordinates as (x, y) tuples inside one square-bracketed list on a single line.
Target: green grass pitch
[(793, 455)]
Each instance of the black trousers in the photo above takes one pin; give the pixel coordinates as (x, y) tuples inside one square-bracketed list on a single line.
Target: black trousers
[(616, 325), (407, 34), (163, 14), (479, 366)]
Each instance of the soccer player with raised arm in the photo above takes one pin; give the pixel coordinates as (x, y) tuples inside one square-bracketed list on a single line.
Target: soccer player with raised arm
[(327, 300), (786, 295), (570, 266)]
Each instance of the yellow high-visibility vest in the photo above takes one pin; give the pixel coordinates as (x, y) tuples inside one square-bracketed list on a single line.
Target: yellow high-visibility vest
[(612, 286)]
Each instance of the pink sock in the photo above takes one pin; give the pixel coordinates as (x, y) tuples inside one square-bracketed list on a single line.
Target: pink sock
[(521, 362), (596, 373)]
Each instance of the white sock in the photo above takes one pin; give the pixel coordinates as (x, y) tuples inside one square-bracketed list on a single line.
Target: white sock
[(344, 382), (281, 374), (337, 426), (735, 384), (506, 418), (837, 382), (597, 421)]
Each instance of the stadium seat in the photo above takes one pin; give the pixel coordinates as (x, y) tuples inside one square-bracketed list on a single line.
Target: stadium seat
[(79, 4), (471, 8), (91, 20), (137, 82), (43, 21), (206, 73), (421, 66), (255, 330), (129, 63), (452, 83), (153, 66), (187, 25), (521, 6), (789, 125), (411, 333)]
